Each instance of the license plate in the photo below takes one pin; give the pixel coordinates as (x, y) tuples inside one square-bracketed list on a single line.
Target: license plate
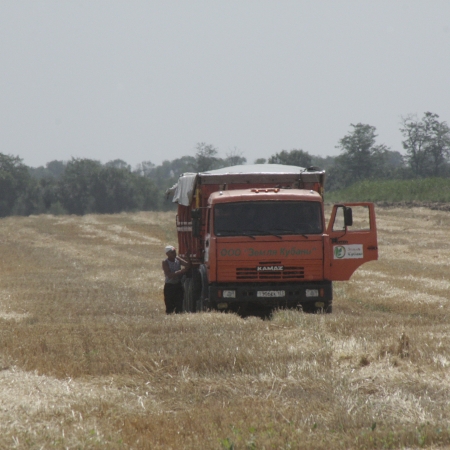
[(270, 294)]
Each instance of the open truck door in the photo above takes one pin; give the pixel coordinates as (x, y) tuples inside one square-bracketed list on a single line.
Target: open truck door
[(353, 238)]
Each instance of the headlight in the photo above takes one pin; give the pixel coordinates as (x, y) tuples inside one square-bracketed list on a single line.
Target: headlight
[(312, 292), (229, 294)]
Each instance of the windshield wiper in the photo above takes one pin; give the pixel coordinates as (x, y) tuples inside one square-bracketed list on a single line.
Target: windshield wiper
[(263, 232), (296, 231), (235, 233), (273, 234)]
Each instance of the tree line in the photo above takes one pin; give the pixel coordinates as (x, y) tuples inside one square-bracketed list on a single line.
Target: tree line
[(82, 186)]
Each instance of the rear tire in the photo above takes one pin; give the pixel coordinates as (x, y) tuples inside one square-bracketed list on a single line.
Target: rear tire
[(195, 292), (188, 298), (201, 289), (192, 300)]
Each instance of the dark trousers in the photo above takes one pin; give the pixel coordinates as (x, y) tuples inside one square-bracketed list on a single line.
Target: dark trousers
[(173, 298)]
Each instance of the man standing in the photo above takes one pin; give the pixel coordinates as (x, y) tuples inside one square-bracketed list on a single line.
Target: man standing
[(173, 288)]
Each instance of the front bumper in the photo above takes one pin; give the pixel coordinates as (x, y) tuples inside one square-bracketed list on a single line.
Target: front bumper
[(295, 294)]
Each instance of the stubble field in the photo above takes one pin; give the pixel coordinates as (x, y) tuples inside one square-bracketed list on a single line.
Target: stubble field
[(88, 358)]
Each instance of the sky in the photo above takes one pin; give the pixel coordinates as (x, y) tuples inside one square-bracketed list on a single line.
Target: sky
[(148, 80)]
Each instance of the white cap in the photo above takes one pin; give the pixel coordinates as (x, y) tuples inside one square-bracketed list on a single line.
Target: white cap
[(169, 248)]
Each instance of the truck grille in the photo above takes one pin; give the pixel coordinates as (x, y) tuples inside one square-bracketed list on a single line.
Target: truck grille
[(250, 273)]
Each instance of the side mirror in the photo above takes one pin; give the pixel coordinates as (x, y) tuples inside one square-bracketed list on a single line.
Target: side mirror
[(196, 216), (348, 217)]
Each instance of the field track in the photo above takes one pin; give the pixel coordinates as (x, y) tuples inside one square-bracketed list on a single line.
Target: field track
[(88, 358)]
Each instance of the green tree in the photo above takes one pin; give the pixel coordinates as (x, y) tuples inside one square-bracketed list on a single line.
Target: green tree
[(360, 155), (118, 189), (17, 193), (439, 145), (324, 163), (146, 194), (144, 168), (181, 165), (205, 157), (427, 144), (415, 143), (56, 168), (77, 185), (260, 161), (292, 158), (88, 187), (360, 159), (49, 195), (118, 164), (234, 158), (113, 190), (52, 169)]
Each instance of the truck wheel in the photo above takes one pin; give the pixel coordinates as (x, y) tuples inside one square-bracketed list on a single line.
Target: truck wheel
[(195, 292), (202, 299), (199, 306), (188, 298)]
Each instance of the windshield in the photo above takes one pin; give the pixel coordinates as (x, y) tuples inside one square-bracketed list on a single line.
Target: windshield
[(265, 218)]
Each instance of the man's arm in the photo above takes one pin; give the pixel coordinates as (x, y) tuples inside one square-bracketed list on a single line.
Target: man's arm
[(187, 263), (172, 275)]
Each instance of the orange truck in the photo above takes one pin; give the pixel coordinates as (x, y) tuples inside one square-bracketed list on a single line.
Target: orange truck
[(257, 238)]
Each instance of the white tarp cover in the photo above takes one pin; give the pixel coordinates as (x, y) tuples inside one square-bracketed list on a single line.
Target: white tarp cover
[(184, 189), (257, 168)]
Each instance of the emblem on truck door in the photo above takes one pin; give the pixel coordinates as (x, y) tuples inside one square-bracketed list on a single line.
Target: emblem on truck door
[(354, 251), (269, 268)]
